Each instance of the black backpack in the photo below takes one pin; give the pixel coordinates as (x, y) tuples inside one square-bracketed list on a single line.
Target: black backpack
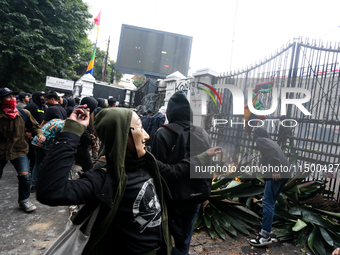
[(190, 142)]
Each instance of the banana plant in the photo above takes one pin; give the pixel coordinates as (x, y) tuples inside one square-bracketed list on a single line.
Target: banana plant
[(224, 212), (318, 229)]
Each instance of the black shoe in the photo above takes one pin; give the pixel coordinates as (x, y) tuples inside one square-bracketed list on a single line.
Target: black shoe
[(260, 240)]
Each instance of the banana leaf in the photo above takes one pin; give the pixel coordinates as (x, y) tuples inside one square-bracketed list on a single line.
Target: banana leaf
[(207, 220), (236, 224), (318, 244), (319, 221), (211, 232), (219, 183), (328, 239), (198, 220), (300, 224), (244, 217), (297, 210), (246, 210), (230, 230), (280, 213), (236, 186), (221, 219), (335, 237), (218, 229), (247, 193), (311, 238)]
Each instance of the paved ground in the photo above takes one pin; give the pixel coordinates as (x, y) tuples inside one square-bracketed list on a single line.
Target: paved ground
[(32, 233)]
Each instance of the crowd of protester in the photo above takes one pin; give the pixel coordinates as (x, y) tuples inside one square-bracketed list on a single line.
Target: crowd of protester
[(125, 167)]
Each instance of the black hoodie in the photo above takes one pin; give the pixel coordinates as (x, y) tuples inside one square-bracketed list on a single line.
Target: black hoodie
[(178, 111), (273, 159), (70, 106), (37, 108)]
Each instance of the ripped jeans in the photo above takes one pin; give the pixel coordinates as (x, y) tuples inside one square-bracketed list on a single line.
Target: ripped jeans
[(21, 165)]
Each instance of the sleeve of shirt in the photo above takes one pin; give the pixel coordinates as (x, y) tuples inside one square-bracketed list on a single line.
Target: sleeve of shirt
[(173, 173), (32, 124), (54, 187), (49, 114), (159, 147)]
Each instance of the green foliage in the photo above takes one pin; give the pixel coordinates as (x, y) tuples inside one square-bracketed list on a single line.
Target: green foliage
[(235, 206), (225, 213), (42, 38), (139, 81)]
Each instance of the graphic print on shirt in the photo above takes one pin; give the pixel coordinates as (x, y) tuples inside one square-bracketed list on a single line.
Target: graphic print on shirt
[(146, 208)]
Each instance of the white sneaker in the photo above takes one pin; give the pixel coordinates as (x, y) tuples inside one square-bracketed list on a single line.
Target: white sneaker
[(27, 206), (260, 240)]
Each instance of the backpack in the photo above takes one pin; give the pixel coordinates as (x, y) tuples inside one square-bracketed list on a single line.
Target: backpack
[(156, 122), (50, 129), (146, 120), (189, 142), (23, 115)]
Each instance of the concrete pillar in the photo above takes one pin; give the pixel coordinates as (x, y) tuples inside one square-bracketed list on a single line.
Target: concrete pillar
[(84, 86), (174, 82), (199, 98)]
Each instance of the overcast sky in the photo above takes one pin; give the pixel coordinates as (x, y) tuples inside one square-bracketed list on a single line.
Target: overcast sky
[(227, 34)]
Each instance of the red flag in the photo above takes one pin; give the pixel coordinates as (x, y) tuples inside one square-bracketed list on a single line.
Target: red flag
[(97, 19)]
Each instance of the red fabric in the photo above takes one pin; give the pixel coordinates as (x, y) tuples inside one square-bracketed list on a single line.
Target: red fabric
[(10, 108), (97, 19)]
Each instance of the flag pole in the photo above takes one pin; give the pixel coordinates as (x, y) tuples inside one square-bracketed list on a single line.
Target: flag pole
[(91, 64)]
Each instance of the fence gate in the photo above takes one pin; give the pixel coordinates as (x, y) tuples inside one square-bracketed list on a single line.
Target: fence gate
[(315, 138)]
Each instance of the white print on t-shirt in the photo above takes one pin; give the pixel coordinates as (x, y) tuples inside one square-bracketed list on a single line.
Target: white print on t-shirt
[(147, 209)]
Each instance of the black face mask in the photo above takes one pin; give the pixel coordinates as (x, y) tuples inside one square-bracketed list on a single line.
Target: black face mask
[(42, 101)]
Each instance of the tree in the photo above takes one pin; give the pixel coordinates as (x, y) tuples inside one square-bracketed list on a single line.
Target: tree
[(139, 81), (40, 38), (110, 68)]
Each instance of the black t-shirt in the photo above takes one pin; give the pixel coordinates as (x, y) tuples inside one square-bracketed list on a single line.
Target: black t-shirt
[(55, 112), (137, 224)]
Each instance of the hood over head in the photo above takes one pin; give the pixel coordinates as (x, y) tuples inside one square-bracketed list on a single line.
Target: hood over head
[(113, 126), (91, 103), (70, 101), (101, 102), (179, 108), (36, 97), (260, 132), (65, 103)]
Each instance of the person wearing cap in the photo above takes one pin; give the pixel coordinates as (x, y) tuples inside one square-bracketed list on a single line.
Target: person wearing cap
[(54, 110), (13, 143), (23, 100)]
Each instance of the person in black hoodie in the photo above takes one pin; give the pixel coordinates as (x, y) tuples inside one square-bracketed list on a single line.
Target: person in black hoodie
[(101, 105), (276, 172), (83, 157), (182, 219), (37, 109), (70, 106)]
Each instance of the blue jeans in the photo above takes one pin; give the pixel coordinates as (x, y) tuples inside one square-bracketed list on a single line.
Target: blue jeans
[(271, 193), (21, 165), (39, 157), (181, 228)]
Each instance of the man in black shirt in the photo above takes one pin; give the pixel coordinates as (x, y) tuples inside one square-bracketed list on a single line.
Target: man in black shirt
[(54, 110)]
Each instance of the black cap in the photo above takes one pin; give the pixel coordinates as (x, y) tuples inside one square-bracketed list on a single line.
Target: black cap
[(6, 91)]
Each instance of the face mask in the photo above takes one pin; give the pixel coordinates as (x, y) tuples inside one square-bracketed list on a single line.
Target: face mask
[(139, 135), (9, 108), (42, 101)]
